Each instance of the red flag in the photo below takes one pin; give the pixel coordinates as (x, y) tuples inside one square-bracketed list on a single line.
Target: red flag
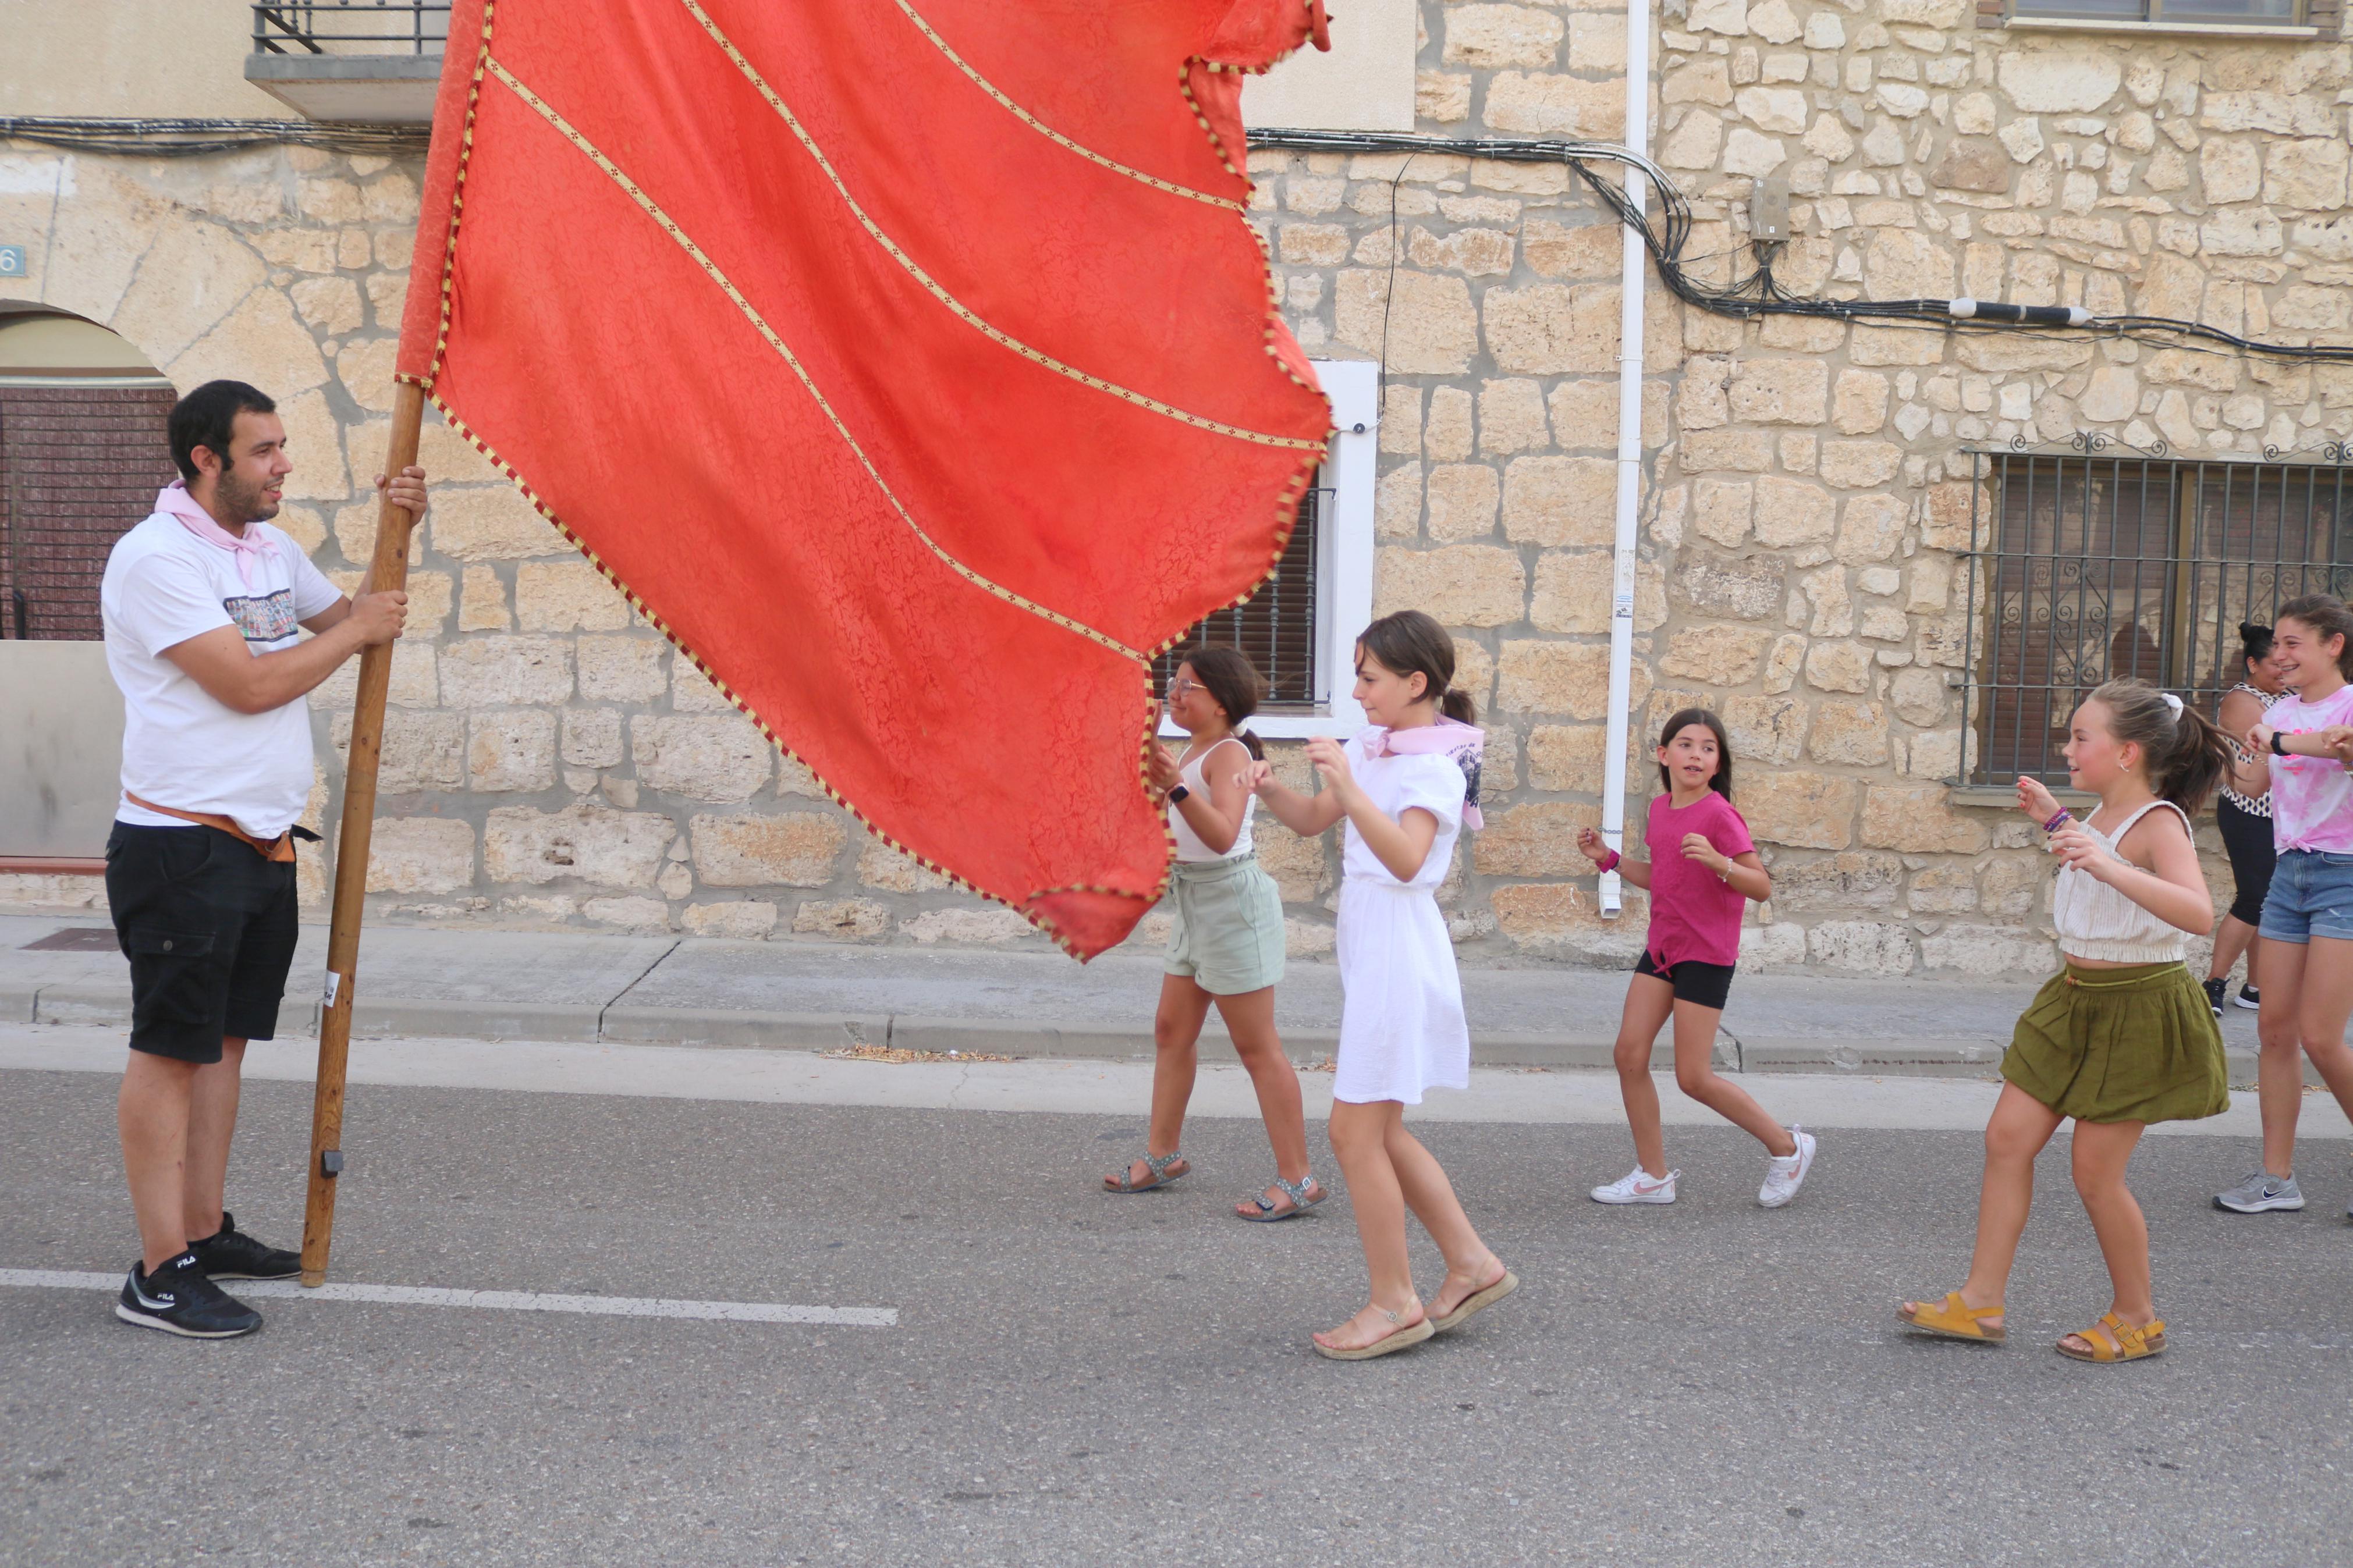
[(911, 364)]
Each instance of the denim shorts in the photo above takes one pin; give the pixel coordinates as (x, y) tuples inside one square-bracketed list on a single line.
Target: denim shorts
[(2312, 895)]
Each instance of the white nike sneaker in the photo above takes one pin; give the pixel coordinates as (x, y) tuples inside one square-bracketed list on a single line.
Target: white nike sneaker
[(1639, 1186), (1784, 1176)]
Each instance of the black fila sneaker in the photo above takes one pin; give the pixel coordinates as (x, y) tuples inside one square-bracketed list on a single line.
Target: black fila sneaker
[(179, 1299), (230, 1254)]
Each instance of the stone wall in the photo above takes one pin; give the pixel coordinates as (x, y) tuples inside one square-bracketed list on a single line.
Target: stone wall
[(1808, 489), (548, 761)]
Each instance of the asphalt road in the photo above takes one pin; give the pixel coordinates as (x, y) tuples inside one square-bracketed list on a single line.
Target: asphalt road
[(1081, 1379)]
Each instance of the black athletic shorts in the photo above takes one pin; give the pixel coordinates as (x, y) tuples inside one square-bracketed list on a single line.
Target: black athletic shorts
[(209, 926), (1702, 984)]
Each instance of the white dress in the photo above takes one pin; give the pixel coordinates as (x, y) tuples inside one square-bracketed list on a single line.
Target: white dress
[(1401, 1023)]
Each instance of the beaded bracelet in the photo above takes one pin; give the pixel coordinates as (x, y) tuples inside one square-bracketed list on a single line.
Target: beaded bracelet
[(2057, 822)]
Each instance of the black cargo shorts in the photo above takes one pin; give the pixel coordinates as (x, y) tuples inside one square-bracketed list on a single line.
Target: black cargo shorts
[(209, 926)]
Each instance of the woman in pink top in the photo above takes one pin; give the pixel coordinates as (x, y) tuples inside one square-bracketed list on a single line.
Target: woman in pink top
[(1703, 870), (2307, 991)]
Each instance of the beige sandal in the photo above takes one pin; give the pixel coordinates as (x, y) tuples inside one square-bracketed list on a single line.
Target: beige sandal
[(1476, 1302), (1411, 1334)]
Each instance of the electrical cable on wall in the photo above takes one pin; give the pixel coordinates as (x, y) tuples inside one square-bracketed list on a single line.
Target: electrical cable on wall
[(1760, 293), (192, 138)]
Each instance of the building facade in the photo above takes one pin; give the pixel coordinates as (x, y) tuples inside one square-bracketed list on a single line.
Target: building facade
[(1843, 525)]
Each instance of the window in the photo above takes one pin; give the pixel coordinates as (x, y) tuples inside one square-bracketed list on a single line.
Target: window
[(1277, 627), (2090, 569), (1301, 626), (2201, 12)]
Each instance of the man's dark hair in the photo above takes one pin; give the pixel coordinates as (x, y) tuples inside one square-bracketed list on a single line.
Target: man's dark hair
[(207, 417)]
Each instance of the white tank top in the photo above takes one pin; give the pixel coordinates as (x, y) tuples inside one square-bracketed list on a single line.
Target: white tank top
[(2095, 921), (1190, 847)]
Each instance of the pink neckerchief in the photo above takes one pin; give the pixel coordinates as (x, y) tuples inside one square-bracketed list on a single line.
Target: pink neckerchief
[(175, 499), (1446, 738)]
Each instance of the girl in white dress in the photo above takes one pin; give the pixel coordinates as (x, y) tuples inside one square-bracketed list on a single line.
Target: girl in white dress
[(1405, 788)]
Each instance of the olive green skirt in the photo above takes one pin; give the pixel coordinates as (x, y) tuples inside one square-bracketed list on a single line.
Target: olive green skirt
[(2135, 1044)]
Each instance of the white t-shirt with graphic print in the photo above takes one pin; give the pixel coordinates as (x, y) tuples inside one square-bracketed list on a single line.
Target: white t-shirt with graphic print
[(181, 747)]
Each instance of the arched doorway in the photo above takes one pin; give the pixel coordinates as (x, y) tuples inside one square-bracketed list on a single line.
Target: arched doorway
[(81, 455), (82, 451)]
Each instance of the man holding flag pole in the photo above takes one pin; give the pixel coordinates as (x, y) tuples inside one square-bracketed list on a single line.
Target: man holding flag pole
[(204, 605)]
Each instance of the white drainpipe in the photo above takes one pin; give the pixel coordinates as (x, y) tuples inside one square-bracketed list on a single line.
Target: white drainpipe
[(1630, 454)]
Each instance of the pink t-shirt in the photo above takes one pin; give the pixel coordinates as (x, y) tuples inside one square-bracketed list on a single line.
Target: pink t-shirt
[(2312, 797), (1692, 915)]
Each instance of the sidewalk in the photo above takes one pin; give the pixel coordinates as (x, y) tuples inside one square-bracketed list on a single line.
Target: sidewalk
[(583, 986)]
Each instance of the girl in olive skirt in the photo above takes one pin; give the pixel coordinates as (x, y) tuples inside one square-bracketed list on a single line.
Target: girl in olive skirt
[(2123, 1037), (1226, 945)]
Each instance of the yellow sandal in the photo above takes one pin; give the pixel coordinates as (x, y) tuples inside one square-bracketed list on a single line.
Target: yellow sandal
[(1954, 1318), (2113, 1340)]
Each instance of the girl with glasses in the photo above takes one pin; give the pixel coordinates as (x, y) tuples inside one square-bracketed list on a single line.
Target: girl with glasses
[(1226, 946)]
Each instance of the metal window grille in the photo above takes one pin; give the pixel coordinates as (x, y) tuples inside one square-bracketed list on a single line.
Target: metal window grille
[(2086, 568), (333, 26), (1276, 627), (2235, 13)]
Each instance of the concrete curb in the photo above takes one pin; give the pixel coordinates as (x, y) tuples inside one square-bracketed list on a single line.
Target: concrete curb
[(420, 1018), (745, 1029)]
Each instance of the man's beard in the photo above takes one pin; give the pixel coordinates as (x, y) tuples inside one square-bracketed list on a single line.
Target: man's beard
[(246, 504)]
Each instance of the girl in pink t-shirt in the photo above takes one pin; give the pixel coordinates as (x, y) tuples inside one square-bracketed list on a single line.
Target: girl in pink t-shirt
[(1703, 870), (2307, 924)]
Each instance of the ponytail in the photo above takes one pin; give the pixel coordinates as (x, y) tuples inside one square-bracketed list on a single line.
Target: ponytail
[(1458, 706), (2187, 754)]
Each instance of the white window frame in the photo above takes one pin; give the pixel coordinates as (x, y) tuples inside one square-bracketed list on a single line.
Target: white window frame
[(1344, 566)]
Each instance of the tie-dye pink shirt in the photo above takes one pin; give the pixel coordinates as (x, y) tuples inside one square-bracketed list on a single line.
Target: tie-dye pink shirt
[(2312, 797)]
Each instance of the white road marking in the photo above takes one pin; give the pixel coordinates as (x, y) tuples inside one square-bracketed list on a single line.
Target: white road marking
[(495, 1300)]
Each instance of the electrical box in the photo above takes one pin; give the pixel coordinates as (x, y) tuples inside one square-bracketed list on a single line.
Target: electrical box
[(1769, 212)]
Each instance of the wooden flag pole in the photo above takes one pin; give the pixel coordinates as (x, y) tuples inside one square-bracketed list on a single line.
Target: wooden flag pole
[(387, 574)]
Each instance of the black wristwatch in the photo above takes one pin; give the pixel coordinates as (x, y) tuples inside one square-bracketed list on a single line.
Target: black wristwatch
[(1179, 792), (2278, 749)]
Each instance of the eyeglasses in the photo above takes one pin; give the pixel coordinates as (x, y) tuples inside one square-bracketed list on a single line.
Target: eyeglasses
[(1180, 686)]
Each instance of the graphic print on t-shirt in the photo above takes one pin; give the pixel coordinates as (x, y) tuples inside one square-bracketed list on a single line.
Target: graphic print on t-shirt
[(270, 619)]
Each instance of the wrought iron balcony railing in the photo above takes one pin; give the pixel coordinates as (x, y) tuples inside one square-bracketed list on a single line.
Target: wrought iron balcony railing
[(352, 27)]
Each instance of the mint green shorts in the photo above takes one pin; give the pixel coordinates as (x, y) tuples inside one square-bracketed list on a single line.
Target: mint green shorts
[(1228, 936)]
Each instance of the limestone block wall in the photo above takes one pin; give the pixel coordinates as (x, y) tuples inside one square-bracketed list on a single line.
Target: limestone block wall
[(1808, 489), (548, 761)]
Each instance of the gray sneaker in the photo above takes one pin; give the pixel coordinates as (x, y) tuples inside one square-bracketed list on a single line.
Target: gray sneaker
[(2260, 1191)]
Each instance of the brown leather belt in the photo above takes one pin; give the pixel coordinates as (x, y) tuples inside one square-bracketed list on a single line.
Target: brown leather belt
[(279, 849)]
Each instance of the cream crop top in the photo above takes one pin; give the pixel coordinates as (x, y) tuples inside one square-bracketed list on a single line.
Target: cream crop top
[(1190, 847), (2095, 921)]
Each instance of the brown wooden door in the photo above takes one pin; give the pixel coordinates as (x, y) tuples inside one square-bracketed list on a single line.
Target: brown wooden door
[(78, 467)]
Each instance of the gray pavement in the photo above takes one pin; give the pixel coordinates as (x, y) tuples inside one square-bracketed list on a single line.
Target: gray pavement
[(1080, 1379), (584, 986)]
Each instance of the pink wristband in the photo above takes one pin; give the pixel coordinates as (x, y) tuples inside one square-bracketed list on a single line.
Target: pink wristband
[(1611, 864)]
